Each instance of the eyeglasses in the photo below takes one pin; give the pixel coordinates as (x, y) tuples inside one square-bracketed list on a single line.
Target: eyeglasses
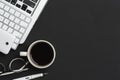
[(12, 71)]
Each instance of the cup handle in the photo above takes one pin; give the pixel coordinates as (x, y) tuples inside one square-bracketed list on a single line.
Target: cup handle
[(24, 54)]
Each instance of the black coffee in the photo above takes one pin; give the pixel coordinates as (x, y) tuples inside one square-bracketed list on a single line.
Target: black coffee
[(42, 53)]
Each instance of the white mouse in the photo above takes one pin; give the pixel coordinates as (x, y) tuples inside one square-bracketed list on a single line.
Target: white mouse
[(6, 41)]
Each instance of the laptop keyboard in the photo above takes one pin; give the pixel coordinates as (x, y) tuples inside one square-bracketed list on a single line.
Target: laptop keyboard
[(25, 5), (13, 22)]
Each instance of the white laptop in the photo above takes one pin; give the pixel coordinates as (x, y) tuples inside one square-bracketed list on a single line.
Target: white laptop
[(17, 18)]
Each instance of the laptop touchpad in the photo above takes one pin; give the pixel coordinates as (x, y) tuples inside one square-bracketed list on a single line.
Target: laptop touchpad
[(6, 41)]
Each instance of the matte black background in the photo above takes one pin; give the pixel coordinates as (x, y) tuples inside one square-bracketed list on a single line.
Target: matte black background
[(86, 35)]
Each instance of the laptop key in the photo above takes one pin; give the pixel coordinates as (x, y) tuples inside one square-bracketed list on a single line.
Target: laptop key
[(18, 5), (22, 17), (1, 12), (12, 11), (17, 14), (14, 46), (11, 24), (12, 17), (1, 18), (23, 24), (13, 2), (24, 7), (30, 3), (5, 27), (17, 20), (28, 11), (7, 8), (22, 30), (17, 40), (17, 27), (6, 15), (1, 5), (8, 0), (10, 30), (17, 34), (6, 21), (27, 19)]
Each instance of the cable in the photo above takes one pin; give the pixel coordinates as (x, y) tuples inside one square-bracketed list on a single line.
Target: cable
[(16, 59)]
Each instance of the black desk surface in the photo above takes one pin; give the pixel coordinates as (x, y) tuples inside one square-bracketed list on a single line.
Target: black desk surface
[(86, 35)]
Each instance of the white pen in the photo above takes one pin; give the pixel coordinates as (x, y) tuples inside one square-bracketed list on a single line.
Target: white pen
[(31, 76)]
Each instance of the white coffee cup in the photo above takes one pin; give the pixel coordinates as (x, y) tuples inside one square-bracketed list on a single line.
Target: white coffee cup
[(44, 54)]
